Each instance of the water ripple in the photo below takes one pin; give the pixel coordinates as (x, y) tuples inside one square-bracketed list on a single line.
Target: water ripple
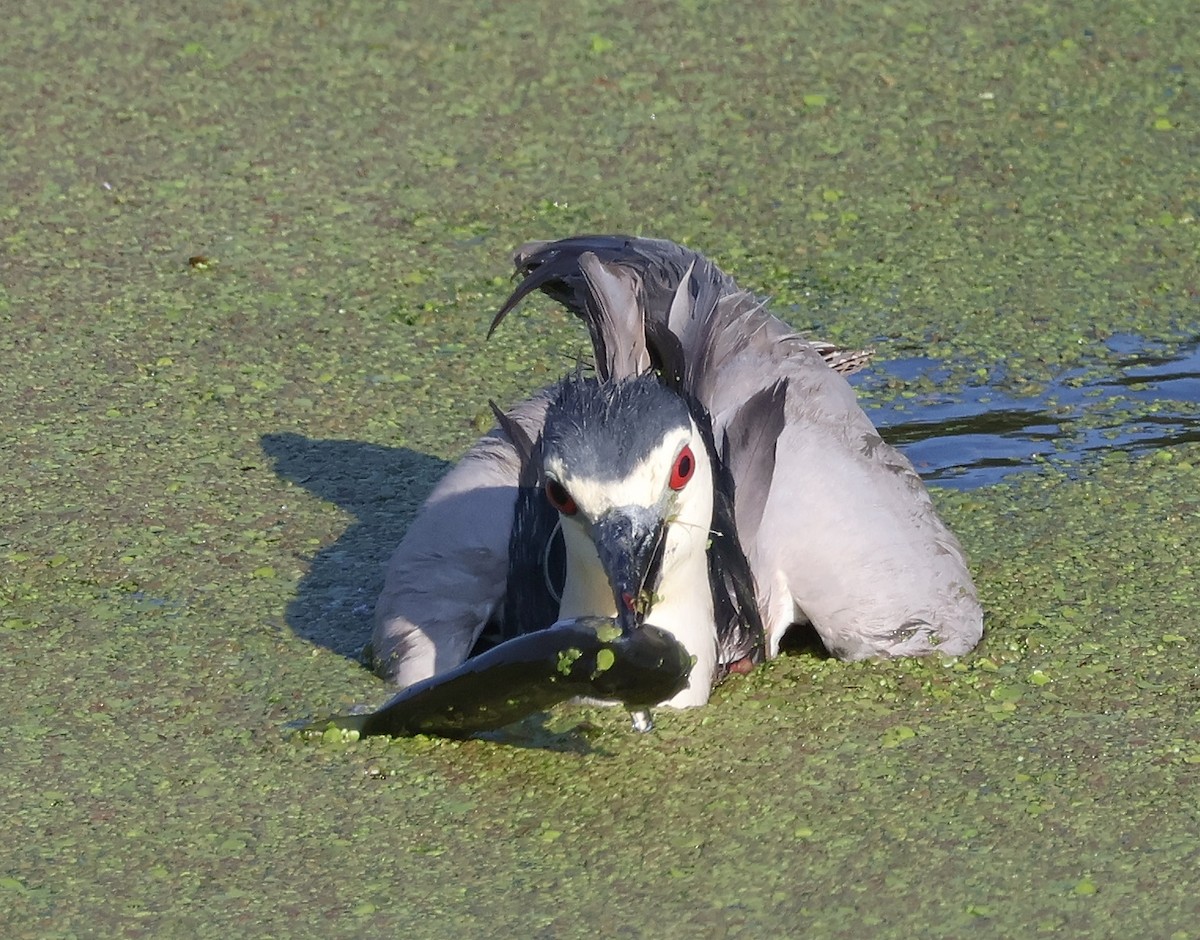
[(1145, 398)]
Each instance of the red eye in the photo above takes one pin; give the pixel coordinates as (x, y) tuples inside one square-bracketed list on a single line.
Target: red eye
[(560, 499), (685, 466)]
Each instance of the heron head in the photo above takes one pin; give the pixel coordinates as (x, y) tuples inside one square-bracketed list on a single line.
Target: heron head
[(626, 468)]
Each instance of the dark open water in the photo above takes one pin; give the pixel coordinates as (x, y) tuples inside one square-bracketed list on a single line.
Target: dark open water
[(981, 434)]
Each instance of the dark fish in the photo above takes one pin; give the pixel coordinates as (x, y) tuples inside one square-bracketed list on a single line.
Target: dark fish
[(587, 656)]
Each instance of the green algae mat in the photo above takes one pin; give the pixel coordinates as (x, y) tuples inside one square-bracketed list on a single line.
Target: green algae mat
[(249, 254)]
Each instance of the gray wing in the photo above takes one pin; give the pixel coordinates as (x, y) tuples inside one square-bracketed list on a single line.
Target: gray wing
[(654, 268), (448, 575), (840, 531), (748, 451)]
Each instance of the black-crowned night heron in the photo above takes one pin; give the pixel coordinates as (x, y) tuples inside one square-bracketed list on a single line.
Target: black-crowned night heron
[(716, 479)]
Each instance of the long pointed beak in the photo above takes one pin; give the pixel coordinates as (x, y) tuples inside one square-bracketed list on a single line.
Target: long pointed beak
[(630, 541)]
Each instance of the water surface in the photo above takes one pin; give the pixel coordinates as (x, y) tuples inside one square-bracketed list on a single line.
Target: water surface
[(1143, 398), (247, 255)]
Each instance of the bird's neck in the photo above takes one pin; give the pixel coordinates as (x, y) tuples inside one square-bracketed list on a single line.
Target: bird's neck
[(684, 608), (684, 599), (586, 591)]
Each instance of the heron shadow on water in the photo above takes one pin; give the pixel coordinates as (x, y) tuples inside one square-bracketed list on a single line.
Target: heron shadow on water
[(382, 487)]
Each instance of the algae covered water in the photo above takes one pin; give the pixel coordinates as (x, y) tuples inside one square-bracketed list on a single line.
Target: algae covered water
[(247, 259)]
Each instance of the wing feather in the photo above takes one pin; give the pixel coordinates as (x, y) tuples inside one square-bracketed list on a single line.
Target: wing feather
[(854, 543)]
